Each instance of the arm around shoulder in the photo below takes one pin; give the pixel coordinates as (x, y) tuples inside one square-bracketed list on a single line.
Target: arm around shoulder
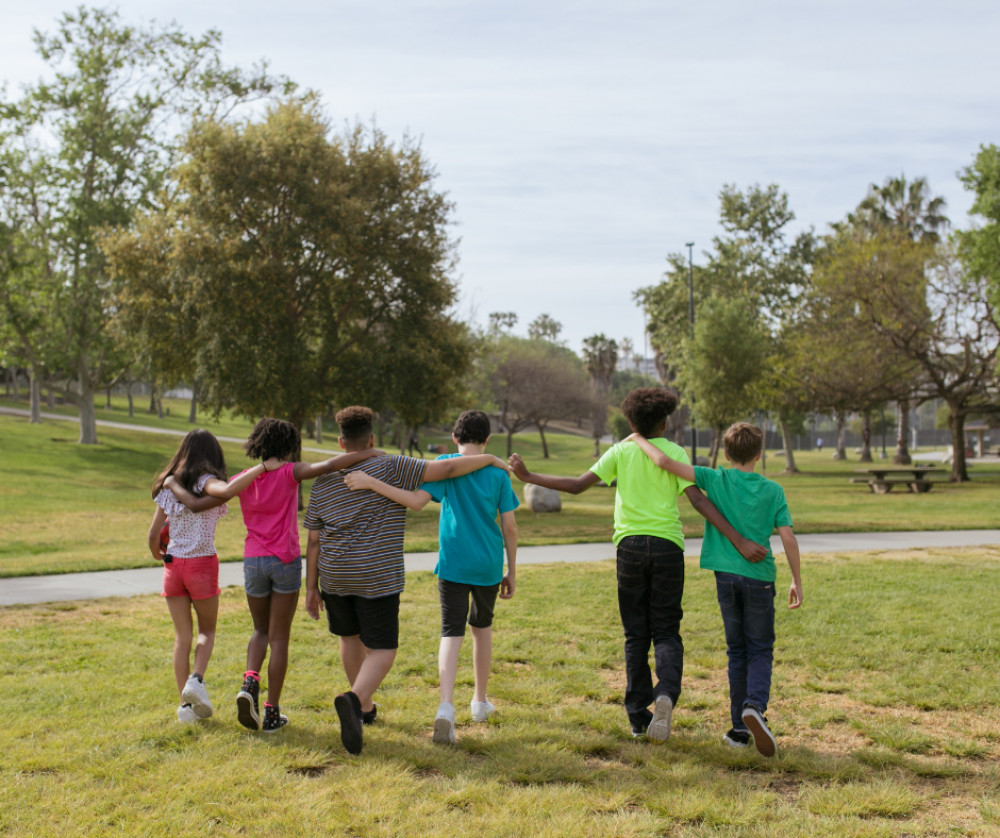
[(685, 471), (570, 485), (307, 471)]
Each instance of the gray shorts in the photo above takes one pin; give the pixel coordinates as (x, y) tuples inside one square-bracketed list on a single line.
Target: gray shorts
[(266, 575)]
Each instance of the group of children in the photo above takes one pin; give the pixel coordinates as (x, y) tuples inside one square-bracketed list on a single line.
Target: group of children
[(354, 561)]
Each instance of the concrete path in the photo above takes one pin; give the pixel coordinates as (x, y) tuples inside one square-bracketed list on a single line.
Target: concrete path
[(75, 586)]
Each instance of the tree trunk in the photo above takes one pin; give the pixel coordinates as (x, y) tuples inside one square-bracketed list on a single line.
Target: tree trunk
[(841, 452), (902, 456), (545, 444), (152, 397), (17, 393), (714, 453), (51, 393), (88, 414), (107, 398), (193, 412), (786, 441), (956, 424), (866, 438), (318, 430), (510, 442), (35, 399), (131, 400), (597, 447)]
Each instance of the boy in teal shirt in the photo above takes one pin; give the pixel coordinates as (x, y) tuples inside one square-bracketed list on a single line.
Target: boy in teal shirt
[(745, 589), (650, 555), (470, 561)]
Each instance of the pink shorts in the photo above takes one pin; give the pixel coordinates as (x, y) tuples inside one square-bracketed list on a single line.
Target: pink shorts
[(197, 578)]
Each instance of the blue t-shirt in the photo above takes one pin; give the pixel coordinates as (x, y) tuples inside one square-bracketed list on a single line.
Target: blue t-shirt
[(470, 547)]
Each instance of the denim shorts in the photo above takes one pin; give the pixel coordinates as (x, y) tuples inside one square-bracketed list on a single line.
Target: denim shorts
[(266, 575)]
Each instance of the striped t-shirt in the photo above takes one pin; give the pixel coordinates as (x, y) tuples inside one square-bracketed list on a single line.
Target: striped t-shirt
[(361, 533)]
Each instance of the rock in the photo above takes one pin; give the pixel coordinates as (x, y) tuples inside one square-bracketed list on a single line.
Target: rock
[(540, 499)]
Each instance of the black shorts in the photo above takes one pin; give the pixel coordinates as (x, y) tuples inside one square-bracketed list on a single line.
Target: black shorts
[(375, 620), (455, 606)]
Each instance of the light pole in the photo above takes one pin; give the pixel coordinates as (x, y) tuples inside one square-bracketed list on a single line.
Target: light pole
[(694, 433)]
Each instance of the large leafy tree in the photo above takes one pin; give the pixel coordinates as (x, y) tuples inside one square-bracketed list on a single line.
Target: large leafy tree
[(318, 266), (906, 207), (980, 246), (98, 138)]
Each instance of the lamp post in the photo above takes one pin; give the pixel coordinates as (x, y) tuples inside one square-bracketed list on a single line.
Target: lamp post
[(694, 433)]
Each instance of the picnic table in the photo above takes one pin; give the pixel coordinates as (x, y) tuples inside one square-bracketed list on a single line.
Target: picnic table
[(881, 479)]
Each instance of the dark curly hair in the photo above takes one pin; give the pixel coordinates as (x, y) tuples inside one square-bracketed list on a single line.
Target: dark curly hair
[(647, 408), (273, 438), (199, 453), (355, 423), (472, 426)]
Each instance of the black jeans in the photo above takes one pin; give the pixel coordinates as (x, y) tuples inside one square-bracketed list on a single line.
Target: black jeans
[(650, 588)]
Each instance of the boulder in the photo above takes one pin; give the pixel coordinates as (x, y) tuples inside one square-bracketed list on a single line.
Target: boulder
[(540, 499)]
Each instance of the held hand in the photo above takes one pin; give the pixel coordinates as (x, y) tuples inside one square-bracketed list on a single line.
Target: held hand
[(498, 463), (272, 464), (507, 587), (633, 437), (752, 551), (794, 596), (314, 603), (518, 467), (358, 479)]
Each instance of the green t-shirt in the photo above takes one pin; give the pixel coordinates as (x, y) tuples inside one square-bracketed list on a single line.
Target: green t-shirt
[(754, 506), (646, 500)]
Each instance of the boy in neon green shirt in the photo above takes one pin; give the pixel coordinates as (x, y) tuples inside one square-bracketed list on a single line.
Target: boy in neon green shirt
[(745, 589), (650, 560)]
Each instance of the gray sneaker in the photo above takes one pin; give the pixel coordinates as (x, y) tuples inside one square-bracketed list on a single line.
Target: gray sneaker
[(659, 727), (763, 739), (444, 725)]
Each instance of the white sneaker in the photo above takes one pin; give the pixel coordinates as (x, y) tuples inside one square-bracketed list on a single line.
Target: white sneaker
[(185, 713), (196, 695), (444, 725), (482, 710), (659, 726)]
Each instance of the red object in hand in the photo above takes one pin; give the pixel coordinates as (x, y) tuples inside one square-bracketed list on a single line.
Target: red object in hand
[(164, 538)]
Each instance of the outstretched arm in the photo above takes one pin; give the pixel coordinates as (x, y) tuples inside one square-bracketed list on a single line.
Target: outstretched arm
[(192, 501), (570, 485), (227, 491), (508, 527), (791, 545), (750, 550), (307, 471), (359, 479), (457, 466), (682, 470)]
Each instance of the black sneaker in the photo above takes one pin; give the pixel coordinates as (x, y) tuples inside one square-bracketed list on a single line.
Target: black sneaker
[(247, 708), (368, 717), (348, 707), (763, 739), (274, 719), (737, 738)]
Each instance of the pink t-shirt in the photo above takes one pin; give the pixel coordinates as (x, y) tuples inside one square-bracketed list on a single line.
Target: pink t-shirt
[(270, 507)]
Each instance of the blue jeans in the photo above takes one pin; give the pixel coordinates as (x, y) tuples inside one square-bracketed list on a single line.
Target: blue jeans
[(747, 607), (650, 588)]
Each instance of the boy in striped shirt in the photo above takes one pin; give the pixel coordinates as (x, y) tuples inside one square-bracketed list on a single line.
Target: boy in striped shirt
[(354, 563)]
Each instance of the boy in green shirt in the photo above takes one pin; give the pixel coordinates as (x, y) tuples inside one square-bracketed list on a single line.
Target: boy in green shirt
[(745, 589), (650, 555)]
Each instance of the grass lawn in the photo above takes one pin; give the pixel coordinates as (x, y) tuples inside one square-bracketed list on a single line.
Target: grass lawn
[(66, 507), (884, 705)]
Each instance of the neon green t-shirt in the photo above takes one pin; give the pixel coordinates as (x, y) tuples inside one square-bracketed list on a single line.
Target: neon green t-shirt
[(754, 506), (646, 500)]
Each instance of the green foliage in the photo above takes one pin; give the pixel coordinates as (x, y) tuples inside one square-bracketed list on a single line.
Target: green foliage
[(980, 246)]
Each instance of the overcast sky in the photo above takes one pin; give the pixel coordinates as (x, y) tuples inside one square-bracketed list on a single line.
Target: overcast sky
[(582, 142)]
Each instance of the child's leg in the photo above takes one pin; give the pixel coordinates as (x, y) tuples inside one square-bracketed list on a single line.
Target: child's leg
[(352, 655), (482, 658), (730, 592), (454, 599), (180, 614), (260, 613), (282, 612), (365, 668), (207, 611), (758, 633), (448, 667)]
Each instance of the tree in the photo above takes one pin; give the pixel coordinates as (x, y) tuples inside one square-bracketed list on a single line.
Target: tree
[(908, 208), (314, 263), (544, 327), (918, 300), (980, 246), (723, 382), (533, 383), (600, 355), (97, 141)]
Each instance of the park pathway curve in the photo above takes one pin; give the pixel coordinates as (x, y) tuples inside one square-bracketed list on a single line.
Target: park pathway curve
[(26, 590)]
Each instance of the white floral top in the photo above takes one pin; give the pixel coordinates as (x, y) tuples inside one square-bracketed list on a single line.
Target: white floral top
[(192, 534)]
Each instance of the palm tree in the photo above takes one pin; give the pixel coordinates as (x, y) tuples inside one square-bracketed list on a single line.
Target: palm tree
[(908, 208), (600, 354)]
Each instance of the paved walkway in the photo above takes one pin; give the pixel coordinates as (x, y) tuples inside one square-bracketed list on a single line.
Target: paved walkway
[(75, 586)]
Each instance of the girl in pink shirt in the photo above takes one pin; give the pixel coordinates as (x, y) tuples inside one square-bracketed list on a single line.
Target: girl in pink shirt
[(272, 560)]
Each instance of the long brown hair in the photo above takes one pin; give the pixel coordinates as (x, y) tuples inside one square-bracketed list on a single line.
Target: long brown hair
[(199, 453)]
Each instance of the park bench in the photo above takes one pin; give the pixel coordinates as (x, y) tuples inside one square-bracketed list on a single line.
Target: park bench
[(881, 479)]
